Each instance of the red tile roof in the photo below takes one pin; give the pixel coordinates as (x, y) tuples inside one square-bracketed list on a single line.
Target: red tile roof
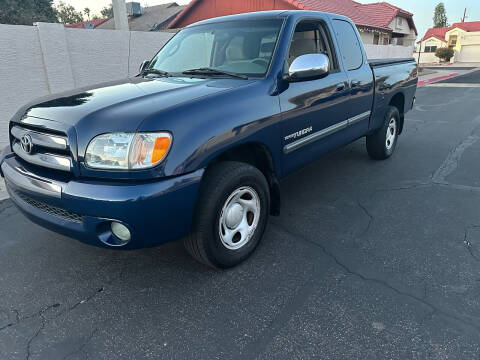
[(376, 15), (352, 9), (467, 26), (81, 25), (383, 13), (440, 33)]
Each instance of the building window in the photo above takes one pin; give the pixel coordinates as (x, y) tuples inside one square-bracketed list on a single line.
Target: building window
[(400, 41), (376, 39), (400, 21), (430, 48), (386, 40)]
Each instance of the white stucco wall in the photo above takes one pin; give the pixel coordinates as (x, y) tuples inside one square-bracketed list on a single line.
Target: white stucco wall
[(471, 38), (400, 25), (49, 58), (388, 51), (427, 58)]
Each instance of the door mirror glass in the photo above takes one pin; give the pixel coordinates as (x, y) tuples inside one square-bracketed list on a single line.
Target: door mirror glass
[(309, 67), (143, 65)]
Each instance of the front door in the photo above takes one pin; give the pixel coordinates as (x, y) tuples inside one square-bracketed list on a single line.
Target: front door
[(314, 112)]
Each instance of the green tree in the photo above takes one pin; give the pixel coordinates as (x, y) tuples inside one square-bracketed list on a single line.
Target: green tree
[(26, 12), (67, 14), (440, 16), (444, 53), (107, 12), (87, 11)]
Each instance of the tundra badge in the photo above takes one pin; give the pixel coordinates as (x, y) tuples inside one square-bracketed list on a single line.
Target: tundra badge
[(298, 133)]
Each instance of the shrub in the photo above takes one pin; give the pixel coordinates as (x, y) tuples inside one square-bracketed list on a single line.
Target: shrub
[(444, 54)]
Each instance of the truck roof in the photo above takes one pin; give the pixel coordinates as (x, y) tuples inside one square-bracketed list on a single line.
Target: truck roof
[(265, 15)]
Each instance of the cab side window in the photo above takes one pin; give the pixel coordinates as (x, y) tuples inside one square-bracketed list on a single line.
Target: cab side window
[(349, 44), (311, 37)]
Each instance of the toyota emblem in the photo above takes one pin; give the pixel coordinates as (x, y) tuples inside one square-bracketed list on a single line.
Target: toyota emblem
[(26, 142)]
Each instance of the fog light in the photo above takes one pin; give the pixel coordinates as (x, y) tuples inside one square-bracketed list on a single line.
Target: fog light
[(121, 232)]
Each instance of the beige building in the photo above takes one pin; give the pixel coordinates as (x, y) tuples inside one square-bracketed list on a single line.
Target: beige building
[(400, 31), (393, 26), (463, 38)]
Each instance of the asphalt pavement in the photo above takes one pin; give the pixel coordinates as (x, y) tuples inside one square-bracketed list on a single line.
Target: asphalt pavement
[(368, 260)]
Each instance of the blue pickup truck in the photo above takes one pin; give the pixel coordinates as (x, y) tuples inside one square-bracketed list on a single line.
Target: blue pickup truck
[(194, 146)]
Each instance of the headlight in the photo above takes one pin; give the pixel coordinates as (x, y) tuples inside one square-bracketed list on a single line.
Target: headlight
[(125, 151)]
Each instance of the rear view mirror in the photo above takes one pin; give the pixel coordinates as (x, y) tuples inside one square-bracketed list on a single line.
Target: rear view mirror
[(308, 67), (143, 65)]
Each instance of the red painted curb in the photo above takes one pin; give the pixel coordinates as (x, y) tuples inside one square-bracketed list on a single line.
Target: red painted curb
[(438, 78)]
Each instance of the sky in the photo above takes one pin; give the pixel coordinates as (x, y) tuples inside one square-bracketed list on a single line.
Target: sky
[(422, 9)]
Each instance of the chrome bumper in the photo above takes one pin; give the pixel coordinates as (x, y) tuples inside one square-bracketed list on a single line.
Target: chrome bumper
[(29, 182)]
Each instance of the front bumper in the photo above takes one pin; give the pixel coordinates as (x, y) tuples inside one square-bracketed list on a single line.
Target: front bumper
[(155, 212)]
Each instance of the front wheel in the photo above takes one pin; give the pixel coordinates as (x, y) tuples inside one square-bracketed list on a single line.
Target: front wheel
[(231, 215), (381, 144)]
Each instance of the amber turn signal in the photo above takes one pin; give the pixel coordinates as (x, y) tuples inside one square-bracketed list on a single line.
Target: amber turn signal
[(162, 144)]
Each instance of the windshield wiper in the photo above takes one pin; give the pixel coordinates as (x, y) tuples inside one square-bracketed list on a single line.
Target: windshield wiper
[(155, 71), (211, 71)]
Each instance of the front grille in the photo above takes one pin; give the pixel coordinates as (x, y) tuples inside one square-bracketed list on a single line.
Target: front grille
[(52, 210), (41, 148)]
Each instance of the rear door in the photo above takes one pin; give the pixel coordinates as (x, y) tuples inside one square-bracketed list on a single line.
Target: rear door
[(360, 77), (314, 112)]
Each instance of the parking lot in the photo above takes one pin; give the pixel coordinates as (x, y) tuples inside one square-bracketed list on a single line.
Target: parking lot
[(367, 260)]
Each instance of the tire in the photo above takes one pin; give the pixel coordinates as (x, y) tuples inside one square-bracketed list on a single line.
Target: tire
[(230, 216), (381, 144)]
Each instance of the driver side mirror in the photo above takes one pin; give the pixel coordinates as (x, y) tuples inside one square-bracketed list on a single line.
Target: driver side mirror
[(308, 67), (143, 65)]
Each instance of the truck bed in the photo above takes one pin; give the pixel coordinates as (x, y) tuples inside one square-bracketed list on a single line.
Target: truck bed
[(395, 84)]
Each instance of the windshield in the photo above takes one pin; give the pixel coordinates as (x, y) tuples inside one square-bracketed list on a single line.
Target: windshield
[(239, 47)]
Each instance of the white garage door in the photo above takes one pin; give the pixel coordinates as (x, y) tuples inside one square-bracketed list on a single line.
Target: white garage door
[(470, 53)]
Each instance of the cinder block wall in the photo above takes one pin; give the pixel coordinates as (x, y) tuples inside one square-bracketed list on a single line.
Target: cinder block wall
[(49, 58)]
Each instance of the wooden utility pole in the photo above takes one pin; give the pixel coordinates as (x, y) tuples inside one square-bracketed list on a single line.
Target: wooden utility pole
[(419, 52), (120, 14), (464, 15)]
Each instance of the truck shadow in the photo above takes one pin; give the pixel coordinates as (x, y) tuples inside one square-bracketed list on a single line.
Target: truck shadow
[(163, 294)]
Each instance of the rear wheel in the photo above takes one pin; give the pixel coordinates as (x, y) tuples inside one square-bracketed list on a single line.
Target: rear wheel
[(381, 144), (231, 215)]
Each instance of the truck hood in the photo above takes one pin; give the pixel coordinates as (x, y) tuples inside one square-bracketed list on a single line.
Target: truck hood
[(123, 105)]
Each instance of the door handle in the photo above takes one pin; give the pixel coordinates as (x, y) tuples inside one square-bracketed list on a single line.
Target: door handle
[(341, 86), (355, 83)]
